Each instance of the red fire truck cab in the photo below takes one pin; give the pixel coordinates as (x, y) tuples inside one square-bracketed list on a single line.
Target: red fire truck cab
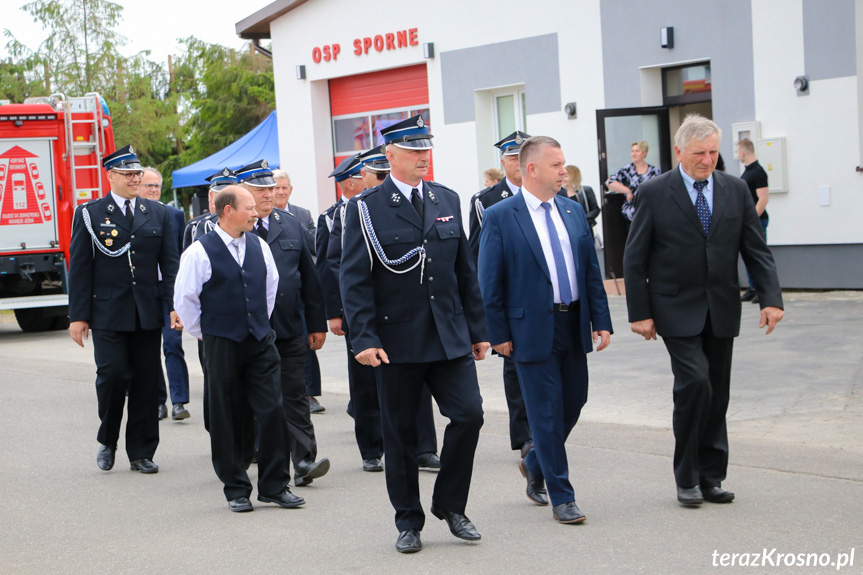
[(51, 152)]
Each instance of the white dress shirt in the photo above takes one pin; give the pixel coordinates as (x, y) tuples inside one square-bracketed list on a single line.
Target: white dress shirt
[(513, 189), (195, 270), (121, 203), (537, 214), (406, 189)]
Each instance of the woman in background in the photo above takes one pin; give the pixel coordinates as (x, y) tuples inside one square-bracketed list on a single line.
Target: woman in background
[(584, 195), (629, 177)]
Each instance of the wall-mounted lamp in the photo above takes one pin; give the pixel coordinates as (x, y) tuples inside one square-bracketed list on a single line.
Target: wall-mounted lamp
[(301, 72), (570, 110), (666, 37), (801, 84), (428, 50)]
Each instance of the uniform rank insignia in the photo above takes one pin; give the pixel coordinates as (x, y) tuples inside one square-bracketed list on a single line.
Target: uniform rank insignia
[(504, 194), (277, 216), (143, 208), (431, 194), (396, 199), (110, 209)]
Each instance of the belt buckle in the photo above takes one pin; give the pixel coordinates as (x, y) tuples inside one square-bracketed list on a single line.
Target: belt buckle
[(562, 306)]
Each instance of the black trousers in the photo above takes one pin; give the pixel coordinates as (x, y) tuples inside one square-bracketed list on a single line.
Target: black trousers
[(453, 384), (243, 373), (519, 430), (300, 431), (129, 361), (701, 366), (367, 411)]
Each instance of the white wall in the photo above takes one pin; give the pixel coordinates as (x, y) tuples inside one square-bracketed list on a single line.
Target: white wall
[(821, 131)]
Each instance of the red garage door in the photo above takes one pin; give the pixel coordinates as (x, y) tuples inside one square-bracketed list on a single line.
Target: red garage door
[(362, 105)]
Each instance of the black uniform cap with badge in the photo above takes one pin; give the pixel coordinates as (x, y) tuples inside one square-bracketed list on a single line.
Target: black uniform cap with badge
[(221, 179), (511, 145), (375, 160), (122, 160), (348, 168), (410, 134), (257, 175)]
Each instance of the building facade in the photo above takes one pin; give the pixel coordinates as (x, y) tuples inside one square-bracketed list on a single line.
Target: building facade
[(597, 76)]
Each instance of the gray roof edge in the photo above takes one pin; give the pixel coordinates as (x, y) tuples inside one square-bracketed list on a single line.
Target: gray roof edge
[(257, 26)]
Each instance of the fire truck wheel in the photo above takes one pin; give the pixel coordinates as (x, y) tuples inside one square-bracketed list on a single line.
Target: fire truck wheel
[(34, 319)]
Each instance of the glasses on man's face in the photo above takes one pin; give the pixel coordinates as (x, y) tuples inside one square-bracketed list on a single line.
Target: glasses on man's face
[(129, 175), (153, 186)]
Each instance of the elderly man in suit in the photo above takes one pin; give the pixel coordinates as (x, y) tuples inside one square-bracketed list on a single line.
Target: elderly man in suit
[(680, 266), (543, 297), (119, 245), (415, 315)]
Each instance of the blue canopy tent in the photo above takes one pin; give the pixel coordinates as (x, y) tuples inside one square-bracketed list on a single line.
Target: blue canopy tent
[(262, 142)]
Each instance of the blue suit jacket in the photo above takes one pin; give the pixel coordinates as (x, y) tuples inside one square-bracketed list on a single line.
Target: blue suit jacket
[(413, 322), (516, 284)]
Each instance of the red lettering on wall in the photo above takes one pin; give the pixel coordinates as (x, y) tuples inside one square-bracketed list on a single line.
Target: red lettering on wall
[(327, 53), (367, 43), (316, 55), (391, 41), (402, 36), (379, 43), (412, 33), (358, 47), (336, 50)]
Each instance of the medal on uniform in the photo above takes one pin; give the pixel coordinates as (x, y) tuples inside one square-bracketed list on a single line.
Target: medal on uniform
[(109, 242), (114, 233)]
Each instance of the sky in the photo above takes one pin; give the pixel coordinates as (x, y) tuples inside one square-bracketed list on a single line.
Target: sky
[(152, 25)]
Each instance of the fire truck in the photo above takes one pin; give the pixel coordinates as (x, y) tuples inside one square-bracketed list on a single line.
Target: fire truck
[(51, 151)]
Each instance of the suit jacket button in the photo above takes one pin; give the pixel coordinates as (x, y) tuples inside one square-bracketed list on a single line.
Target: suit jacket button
[(431, 279), (133, 283), (133, 252), (429, 260), (386, 317), (396, 238), (432, 298), (425, 241), (133, 236)]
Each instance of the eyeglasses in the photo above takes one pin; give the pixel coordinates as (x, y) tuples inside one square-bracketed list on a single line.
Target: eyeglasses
[(129, 175), (154, 186)]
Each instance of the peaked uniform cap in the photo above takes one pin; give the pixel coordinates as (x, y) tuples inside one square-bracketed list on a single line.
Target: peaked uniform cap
[(122, 160), (256, 174), (411, 134)]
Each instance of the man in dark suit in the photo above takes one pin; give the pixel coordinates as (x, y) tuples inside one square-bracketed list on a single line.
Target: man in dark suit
[(519, 430), (681, 279), (544, 296), (415, 315), (119, 244), (298, 286), (226, 291), (172, 340)]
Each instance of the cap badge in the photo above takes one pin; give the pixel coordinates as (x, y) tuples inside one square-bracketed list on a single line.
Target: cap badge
[(420, 122), (264, 164), (518, 139), (226, 172), (131, 151)]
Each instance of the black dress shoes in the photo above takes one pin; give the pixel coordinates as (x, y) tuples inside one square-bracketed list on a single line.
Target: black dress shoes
[(284, 499), (306, 470), (105, 457), (144, 466), (373, 464), (525, 447), (535, 487), (459, 525), (179, 411), (240, 505), (428, 461), (163, 411), (315, 405), (409, 541), (689, 495), (716, 494), (568, 513)]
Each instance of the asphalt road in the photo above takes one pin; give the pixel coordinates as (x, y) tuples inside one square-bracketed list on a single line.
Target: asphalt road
[(795, 427)]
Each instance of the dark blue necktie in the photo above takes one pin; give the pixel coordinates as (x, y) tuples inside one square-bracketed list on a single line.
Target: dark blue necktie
[(701, 207), (559, 261)]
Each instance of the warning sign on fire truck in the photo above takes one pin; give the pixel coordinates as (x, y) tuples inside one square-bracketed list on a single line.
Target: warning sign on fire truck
[(27, 199)]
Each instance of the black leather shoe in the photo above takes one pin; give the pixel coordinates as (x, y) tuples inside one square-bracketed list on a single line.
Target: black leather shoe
[(105, 457), (459, 524), (716, 494), (568, 513), (163, 412), (409, 541), (144, 466), (526, 446), (284, 499), (179, 411), (240, 505), (756, 300), (315, 406), (689, 495), (428, 461), (373, 464), (307, 470), (748, 295), (535, 487)]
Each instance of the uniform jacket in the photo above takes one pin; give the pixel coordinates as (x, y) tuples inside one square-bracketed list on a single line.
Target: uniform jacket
[(486, 198), (197, 227), (104, 290), (305, 218), (436, 319), (328, 276), (675, 274), (516, 284), (298, 281), (178, 222)]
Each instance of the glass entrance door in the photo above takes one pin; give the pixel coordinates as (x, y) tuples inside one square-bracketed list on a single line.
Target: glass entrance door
[(617, 129)]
